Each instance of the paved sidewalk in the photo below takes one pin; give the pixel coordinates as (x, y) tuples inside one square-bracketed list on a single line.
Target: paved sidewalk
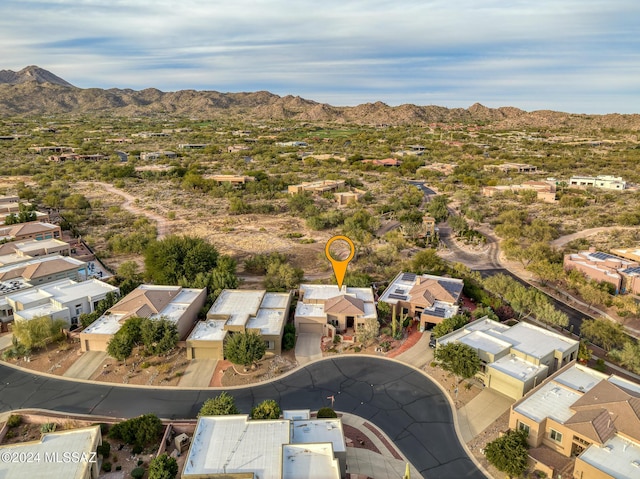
[(481, 411), (368, 463), (5, 341), (86, 365), (198, 373)]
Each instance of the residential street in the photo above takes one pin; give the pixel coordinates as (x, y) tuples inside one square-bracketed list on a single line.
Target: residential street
[(401, 401)]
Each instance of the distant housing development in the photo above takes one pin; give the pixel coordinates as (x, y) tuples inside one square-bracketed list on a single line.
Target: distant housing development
[(511, 168), (606, 182), (426, 298), (239, 310), (174, 303), (583, 414), (545, 191), (623, 274), (514, 359)]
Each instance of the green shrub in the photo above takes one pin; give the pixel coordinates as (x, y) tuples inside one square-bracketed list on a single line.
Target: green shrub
[(137, 449), (288, 341), (137, 473), (138, 431), (106, 466), (104, 449), (14, 420), (118, 468), (326, 412), (48, 427), (140, 462)]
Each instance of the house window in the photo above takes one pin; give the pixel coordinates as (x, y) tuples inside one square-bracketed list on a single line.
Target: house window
[(271, 345), (523, 427), (555, 435)]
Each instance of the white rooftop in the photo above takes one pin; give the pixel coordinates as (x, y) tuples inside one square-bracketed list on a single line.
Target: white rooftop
[(209, 330), (308, 431), (518, 368), (309, 461), (580, 378), (327, 291), (108, 323), (536, 341), (551, 400), (53, 444), (618, 457), (268, 321), (478, 340), (296, 414), (310, 310), (235, 444), (34, 245), (237, 305)]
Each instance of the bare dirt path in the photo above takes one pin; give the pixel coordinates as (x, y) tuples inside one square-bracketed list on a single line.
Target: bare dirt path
[(129, 204), (563, 240)]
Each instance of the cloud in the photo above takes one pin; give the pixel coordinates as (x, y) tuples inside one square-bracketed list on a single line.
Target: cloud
[(518, 52)]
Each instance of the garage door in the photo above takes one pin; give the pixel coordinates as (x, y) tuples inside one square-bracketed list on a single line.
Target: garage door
[(315, 328), (206, 353), (511, 388)]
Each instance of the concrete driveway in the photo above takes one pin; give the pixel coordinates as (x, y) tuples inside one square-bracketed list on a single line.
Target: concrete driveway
[(308, 347), (481, 412), (86, 365)]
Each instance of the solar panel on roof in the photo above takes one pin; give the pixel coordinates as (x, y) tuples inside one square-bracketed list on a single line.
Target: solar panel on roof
[(397, 296), (603, 256), (399, 291), (634, 270), (408, 277)]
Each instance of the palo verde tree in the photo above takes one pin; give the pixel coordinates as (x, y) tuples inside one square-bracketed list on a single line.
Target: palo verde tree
[(459, 359), (245, 348), (163, 467), (221, 405), (38, 332), (508, 453), (267, 409)]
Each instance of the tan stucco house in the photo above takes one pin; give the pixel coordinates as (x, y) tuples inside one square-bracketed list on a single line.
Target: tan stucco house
[(514, 358), (239, 310), (590, 419), (175, 303), (426, 298)]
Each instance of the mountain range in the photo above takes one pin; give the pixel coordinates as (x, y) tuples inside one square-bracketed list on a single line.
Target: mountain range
[(36, 91)]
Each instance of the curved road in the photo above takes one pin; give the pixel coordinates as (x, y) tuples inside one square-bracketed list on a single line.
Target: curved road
[(400, 400)]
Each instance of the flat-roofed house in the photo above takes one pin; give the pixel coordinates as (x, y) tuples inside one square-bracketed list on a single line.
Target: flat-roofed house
[(16, 252), (514, 359), (239, 310), (24, 275), (583, 414), (66, 300), (606, 182), (174, 303), (326, 310), (234, 446), (427, 298), (67, 454)]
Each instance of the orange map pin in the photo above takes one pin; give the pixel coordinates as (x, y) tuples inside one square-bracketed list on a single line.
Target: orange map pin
[(340, 266)]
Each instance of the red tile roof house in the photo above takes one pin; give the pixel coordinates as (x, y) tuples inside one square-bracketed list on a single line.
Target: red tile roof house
[(426, 298)]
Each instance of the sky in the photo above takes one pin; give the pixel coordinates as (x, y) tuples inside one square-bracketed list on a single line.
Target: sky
[(577, 56)]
